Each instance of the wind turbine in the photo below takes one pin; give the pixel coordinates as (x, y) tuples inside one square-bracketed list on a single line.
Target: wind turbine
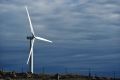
[(32, 39)]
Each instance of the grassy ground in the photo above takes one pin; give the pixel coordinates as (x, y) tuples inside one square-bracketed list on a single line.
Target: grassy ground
[(48, 79), (29, 76)]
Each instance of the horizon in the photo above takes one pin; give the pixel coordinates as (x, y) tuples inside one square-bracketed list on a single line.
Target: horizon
[(85, 36)]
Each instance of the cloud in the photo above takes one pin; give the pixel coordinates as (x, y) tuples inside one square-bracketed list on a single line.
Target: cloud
[(85, 31)]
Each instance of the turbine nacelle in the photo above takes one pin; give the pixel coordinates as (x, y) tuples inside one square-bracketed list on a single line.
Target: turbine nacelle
[(30, 37)]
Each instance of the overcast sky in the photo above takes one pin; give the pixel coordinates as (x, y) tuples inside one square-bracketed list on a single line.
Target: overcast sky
[(85, 34)]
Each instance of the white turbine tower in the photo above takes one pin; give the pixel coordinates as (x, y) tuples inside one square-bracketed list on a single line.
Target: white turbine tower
[(32, 39)]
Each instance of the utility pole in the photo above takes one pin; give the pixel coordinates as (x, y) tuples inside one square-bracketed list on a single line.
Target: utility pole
[(66, 71), (22, 69), (89, 76), (43, 70), (114, 75)]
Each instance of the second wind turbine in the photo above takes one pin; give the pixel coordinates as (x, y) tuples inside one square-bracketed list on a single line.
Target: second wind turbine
[(32, 39)]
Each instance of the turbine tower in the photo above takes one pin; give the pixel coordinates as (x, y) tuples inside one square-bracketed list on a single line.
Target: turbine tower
[(32, 39)]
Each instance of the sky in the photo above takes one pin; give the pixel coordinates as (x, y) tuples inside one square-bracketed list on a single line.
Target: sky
[(85, 35)]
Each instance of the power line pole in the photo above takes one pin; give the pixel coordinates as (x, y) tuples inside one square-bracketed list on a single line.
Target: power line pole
[(89, 74), (22, 69), (43, 70), (66, 71), (114, 75)]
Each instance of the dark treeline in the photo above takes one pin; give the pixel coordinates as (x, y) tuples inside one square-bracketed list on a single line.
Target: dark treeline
[(28, 76)]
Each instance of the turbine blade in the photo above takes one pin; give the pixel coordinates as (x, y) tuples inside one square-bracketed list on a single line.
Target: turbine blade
[(43, 39), (31, 50), (29, 56), (31, 27)]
